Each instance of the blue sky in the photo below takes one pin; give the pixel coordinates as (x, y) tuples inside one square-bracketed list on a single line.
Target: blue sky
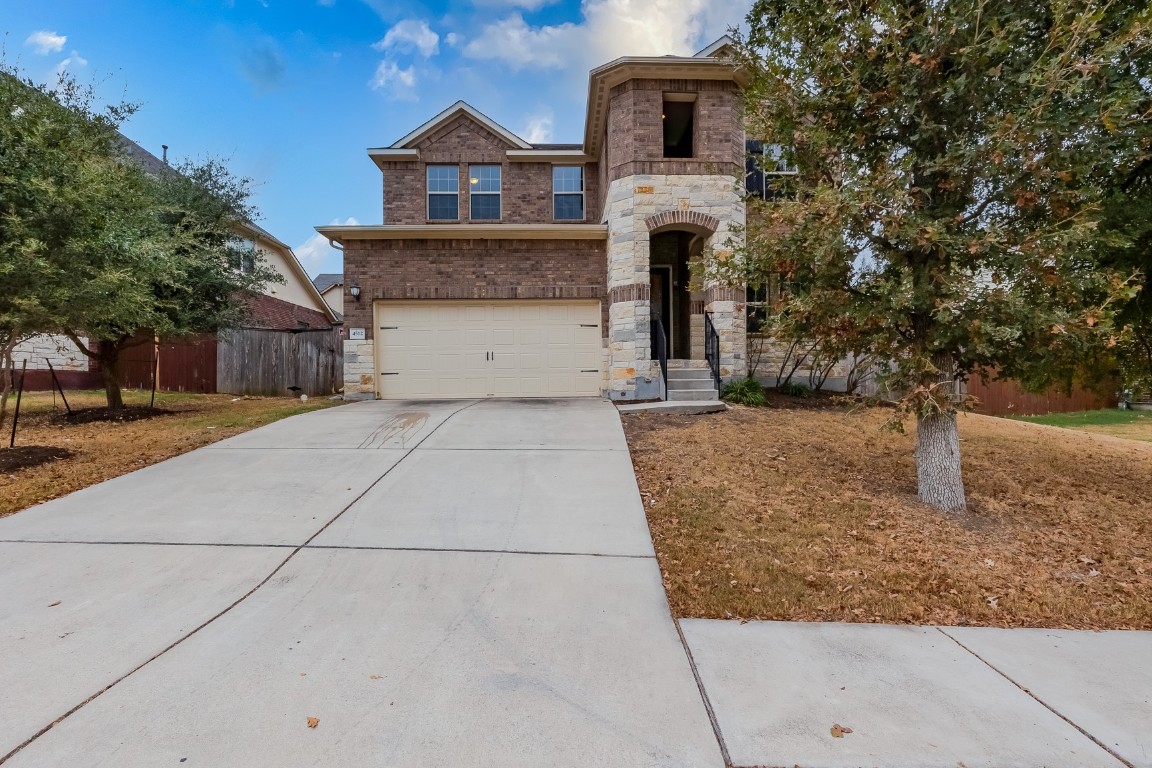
[(291, 93)]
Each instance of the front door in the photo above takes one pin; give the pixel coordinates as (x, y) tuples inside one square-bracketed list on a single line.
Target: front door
[(661, 292)]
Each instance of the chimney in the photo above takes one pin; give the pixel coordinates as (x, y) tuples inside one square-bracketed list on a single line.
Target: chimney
[(165, 146)]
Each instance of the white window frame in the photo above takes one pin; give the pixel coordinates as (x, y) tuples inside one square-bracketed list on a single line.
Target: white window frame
[(775, 153), (583, 192), (428, 189), (497, 194)]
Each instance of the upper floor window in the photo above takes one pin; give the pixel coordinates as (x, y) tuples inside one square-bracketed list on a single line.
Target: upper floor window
[(444, 192), (568, 192), (768, 168), (678, 116), (243, 255), (484, 192)]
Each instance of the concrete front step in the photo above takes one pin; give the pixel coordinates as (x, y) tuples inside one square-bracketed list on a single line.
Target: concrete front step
[(689, 374), (681, 365), (693, 394), (680, 407), (695, 383)]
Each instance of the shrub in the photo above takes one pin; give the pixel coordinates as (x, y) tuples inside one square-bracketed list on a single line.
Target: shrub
[(746, 391), (795, 390)]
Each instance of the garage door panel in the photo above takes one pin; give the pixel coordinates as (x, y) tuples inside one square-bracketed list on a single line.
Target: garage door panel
[(445, 349)]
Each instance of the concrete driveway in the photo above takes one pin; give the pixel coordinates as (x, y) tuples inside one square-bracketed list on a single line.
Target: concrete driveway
[(465, 583)]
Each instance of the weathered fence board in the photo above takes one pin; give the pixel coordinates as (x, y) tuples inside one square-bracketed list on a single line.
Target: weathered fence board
[(252, 361), (186, 365)]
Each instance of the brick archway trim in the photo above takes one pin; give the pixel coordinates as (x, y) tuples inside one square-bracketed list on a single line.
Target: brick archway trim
[(693, 221)]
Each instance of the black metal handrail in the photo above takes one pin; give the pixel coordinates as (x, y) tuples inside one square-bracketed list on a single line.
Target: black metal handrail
[(660, 350), (712, 349)]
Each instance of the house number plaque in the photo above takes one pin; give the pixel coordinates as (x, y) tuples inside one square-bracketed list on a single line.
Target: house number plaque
[(356, 334)]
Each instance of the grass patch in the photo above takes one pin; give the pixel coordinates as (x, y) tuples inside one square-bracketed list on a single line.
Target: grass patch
[(1130, 425), (76, 454), (796, 513)]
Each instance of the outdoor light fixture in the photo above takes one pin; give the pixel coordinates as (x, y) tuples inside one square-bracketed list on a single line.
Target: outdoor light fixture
[(355, 291)]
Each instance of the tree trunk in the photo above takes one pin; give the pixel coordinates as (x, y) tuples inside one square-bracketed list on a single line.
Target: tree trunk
[(7, 368), (938, 477), (109, 359)]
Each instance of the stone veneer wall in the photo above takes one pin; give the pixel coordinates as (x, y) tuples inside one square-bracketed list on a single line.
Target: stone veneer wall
[(630, 200), (59, 349)]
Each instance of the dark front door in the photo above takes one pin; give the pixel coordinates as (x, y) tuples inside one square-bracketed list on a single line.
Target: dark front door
[(662, 301)]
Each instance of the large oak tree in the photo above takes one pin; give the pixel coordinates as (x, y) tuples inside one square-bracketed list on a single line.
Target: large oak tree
[(952, 159)]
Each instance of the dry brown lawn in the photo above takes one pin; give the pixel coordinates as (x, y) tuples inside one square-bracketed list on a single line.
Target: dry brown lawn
[(803, 513), (102, 450)]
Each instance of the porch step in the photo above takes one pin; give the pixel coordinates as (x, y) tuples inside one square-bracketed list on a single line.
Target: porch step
[(692, 394), (689, 374), (701, 382), (683, 364)]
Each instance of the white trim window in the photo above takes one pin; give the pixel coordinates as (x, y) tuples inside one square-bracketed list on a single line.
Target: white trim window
[(484, 192), (444, 192), (768, 167), (568, 192)]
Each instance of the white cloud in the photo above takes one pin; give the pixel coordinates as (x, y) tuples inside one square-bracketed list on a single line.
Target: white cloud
[(539, 128), (610, 29), (314, 252), (528, 5), (73, 62), (389, 74), (45, 42), (452, 39), (410, 35)]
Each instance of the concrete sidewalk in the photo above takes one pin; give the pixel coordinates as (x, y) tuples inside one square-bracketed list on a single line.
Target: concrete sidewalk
[(435, 583), (926, 697)]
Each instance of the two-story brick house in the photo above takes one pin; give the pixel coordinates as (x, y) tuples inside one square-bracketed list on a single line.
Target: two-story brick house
[(504, 268)]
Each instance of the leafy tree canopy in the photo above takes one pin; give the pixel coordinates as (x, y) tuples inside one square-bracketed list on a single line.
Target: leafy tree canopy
[(953, 161)]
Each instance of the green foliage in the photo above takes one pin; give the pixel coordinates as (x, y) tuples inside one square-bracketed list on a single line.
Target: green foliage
[(746, 391), (795, 390), (95, 246), (953, 158), (1100, 418)]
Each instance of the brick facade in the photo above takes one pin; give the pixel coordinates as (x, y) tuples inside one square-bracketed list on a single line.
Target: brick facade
[(526, 188), (470, 269)]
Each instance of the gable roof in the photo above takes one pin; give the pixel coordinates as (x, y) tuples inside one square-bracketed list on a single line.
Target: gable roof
[(454, 111), (327, 280), (719, 49)]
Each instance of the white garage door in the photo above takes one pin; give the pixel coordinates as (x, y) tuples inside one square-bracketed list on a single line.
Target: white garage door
[(447, 349)]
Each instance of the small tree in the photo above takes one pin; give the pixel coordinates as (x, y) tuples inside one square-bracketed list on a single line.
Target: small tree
[(187, 270), (951, 157), (96, 247)]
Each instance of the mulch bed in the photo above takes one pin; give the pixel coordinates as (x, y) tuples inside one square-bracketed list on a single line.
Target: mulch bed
[(25, 456), (128, 413)]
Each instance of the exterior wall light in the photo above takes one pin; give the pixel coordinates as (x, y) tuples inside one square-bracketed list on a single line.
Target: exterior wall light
[(355, 291)]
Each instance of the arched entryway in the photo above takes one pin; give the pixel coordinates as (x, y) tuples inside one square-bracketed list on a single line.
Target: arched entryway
[(675, 239)]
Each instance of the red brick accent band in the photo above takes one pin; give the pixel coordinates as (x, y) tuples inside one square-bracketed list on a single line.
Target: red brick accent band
[(693, 219), (722, 293), (630, 292)]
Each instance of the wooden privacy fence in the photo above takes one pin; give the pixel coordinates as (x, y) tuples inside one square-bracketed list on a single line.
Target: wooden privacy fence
[(254, 361), (186, 365), (1008, 398)]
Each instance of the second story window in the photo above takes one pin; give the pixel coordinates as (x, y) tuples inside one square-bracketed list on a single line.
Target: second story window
[(768, 170), (484, 192), (679, 111), (443, 192), (568, 192)]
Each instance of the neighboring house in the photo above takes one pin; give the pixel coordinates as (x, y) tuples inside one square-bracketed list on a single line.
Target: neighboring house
[(331, 288), (505, 268), (291, 306)]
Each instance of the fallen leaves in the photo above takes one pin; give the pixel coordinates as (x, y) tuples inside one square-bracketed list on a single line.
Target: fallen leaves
[(1058, 536), (838, 730), (313, 722)]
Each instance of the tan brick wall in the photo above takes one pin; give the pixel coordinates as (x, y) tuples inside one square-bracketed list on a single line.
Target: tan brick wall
[(526, 188), (471, 269), (636, 133)]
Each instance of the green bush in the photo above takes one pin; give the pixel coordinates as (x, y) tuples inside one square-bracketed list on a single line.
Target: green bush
[(795, 390), (746, 391)]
